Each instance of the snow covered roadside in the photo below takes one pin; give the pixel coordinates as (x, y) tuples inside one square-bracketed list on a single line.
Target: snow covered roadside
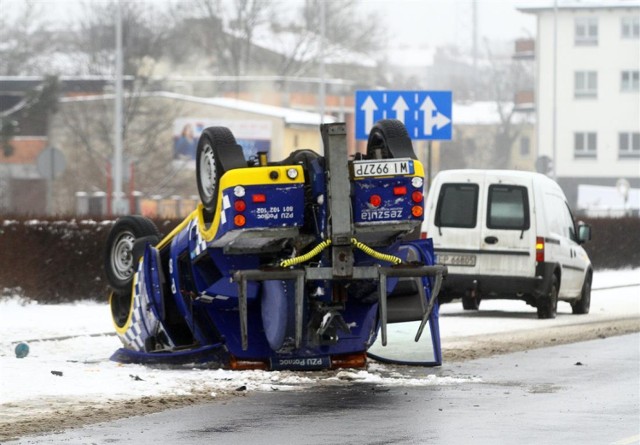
[(67, 379)]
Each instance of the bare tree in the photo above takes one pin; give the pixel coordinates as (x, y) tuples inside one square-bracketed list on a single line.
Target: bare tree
[(244, 37), (25, 34), (87, 123), (508, 76)]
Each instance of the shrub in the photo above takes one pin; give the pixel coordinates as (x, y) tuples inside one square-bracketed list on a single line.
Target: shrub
[(60, 260)]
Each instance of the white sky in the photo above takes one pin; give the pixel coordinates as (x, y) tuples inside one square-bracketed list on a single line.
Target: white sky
[(437, 22), (430, 22)]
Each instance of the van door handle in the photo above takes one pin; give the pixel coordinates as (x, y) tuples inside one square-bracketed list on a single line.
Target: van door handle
[(491, 240)]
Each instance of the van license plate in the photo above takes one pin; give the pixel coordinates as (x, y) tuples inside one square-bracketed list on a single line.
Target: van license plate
[(365, 169), (456, 260)]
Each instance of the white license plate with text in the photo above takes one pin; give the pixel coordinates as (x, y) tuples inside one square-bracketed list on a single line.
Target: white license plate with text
[(364, 169), (456, 259)]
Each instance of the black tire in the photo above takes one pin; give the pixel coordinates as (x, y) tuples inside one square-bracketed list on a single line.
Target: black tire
[(119, 261), (583, 305), (389, 139), (470, 303), (217, 153), (548, 304), (120, 304), (140, 244)]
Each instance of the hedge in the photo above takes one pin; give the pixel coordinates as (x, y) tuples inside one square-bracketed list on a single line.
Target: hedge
[(63, 260)]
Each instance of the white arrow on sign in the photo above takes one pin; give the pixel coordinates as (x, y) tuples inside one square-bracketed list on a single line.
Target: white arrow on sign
[(400, 107), (430, 121), (368, 106)]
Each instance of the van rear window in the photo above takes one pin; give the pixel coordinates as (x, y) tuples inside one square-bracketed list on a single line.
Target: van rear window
[(508, 208), (457, 206)]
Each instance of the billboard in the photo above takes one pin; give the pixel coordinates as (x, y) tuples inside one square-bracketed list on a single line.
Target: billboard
[(252, 135)]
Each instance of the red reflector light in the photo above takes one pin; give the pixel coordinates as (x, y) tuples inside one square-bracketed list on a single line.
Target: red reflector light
[(240, 205), (240, 365), (539, 249), (357, 360), (375, 200), (416, 196), (259, 197), (400, 190), (416, 211), (239, 220), (424, 235)]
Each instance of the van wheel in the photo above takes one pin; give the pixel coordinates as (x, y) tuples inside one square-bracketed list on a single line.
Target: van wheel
[(389, 139), (548, 304), (584, 303), (471, 303)]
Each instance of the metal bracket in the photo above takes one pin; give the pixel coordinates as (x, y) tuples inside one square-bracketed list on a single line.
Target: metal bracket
[(242, 276), (334, 137), (327, 273)]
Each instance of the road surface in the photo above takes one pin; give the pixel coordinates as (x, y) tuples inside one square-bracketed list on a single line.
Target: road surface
[(580, 393)]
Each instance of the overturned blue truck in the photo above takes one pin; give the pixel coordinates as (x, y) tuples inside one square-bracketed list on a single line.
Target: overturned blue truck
[(304, 264)]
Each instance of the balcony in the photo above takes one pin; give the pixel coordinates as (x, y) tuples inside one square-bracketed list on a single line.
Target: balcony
[(524, 101), (525, 49)]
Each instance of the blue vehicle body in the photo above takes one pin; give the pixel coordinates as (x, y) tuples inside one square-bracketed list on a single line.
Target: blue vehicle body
[(299, 267)]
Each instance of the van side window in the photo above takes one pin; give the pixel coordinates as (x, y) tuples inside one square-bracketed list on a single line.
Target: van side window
[(457, 206), (508, 207)]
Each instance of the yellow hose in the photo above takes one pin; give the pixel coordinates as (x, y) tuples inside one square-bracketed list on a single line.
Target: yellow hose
[(326, 243), (307, 256), (375, 254)]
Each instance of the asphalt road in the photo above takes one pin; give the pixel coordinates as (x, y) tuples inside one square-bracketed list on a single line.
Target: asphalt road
[(582, 393)]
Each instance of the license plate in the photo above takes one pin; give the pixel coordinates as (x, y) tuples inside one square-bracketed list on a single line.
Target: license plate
[(300, 363), (456, 260), (365, 169)]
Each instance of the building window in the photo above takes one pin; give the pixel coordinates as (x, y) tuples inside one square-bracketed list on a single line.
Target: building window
[(630, 27), (586, 31), (585, 145), (629, 145), (525, 146), (630, 81), (586, 84)]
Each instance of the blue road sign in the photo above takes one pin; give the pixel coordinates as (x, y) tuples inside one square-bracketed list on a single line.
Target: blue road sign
[(426, 114)]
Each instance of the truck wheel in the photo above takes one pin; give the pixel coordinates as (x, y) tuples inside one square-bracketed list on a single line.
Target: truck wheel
[(470, 303), (119, 258), (217, 153), (584, 303), (389, 139), (548, 304)]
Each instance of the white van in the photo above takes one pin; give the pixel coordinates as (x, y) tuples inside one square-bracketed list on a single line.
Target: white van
[(508, 234)]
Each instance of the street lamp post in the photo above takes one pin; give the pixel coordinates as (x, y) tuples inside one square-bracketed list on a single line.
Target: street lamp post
[(117, 198)]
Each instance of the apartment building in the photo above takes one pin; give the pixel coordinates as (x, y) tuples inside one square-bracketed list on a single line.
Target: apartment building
[(588, 97)]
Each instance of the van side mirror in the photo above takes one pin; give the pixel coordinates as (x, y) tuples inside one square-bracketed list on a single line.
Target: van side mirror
[(584, 233)]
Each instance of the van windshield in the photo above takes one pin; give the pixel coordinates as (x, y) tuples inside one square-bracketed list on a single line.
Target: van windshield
[(508, 208), (457, 206)]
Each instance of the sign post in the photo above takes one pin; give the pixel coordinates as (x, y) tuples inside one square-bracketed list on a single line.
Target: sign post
[(51, 163)]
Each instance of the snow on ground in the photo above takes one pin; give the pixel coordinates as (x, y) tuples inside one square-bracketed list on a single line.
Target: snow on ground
[(608, 301), (70, 346)]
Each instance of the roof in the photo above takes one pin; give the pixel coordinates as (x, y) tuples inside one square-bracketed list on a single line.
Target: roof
[(549, 5), (502, 175), (484, 113), (289, 115)]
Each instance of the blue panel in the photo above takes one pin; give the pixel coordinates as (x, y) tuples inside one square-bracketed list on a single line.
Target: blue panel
[(426, 114)]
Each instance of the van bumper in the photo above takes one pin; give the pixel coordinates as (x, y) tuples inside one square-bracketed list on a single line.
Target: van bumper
[(493, 287)]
